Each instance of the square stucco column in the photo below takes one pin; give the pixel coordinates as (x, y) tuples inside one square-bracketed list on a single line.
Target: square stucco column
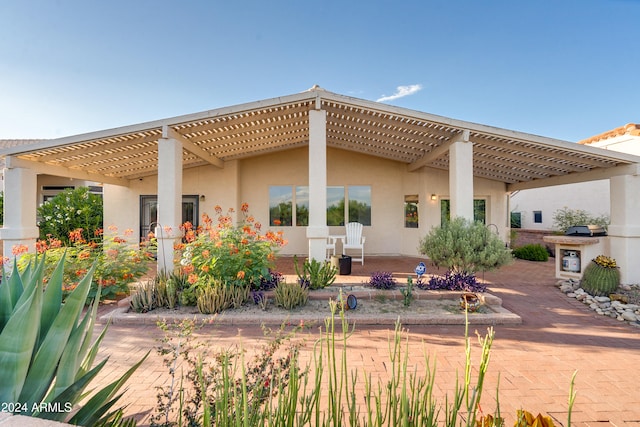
[(461, 179), (169, 201), (624, 230), (20, 192), (317, 231)]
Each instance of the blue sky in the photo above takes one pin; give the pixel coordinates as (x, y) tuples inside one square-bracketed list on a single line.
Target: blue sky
[(564, 69)]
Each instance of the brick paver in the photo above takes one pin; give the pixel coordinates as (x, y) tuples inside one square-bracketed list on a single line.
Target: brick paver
[(533, 361)]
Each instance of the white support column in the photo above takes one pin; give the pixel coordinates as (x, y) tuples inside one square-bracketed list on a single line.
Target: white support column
[(461, 177), (624, 230), (20, 192), (317, 231), (169, 201)]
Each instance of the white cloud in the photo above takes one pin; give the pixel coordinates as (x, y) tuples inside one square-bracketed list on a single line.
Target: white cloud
[(401, 92)]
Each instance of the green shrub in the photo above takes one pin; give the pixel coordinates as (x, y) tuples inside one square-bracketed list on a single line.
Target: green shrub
[(464, 246), (45, 348), (532, 252), (71, 210)]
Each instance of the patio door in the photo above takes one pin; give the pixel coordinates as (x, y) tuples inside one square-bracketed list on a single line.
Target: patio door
[(149, 212)]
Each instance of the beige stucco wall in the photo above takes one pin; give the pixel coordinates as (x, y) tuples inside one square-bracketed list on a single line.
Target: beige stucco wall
[(249, 180)]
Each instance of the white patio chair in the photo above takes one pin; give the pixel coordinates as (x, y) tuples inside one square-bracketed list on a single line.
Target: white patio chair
[(331, 246), (354, 240)]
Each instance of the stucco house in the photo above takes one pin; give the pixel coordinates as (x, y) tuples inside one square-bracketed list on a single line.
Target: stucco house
[(535, 208), (308, 163)]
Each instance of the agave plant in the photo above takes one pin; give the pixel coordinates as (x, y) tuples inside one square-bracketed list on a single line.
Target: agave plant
[(46, 354)]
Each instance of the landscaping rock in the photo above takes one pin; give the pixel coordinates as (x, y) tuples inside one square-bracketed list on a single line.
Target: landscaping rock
[(616, 308)]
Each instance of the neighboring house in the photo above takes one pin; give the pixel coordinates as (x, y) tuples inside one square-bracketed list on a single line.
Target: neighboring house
[(307, 164), (536, 207)]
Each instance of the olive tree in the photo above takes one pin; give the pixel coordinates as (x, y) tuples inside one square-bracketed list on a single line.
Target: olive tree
[(464, 246)]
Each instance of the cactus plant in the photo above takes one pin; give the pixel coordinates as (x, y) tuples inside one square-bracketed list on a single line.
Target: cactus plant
[(217, 296), (291, 295), (315, 274), (601, 276)]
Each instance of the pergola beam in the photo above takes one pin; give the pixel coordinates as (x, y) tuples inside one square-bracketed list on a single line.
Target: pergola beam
[(572, 178), (168, 132), (43, 168), (438, 152)]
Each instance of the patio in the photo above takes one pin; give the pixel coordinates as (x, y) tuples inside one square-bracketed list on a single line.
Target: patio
[(534, 360)]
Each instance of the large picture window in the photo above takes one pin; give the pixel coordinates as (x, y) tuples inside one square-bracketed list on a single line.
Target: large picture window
[(281, 205), (479, 210), (360, 204), (302, 206), (289, 205), (335, 206)]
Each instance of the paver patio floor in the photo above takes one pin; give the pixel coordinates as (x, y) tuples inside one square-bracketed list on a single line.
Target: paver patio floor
[(533, 362)]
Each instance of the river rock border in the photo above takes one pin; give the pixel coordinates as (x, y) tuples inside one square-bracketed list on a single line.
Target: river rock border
[(605, 306)]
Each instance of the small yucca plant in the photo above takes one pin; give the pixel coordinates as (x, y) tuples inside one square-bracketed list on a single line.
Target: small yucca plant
[(46, 355)]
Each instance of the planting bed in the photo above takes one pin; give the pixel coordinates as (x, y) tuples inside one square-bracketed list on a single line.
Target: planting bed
[(383, 307)]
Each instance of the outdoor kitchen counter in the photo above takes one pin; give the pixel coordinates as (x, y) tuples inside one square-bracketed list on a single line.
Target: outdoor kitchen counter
[(571, 240), (584, 247)]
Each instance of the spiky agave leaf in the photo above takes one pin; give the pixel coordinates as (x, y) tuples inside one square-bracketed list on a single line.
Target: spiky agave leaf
[(70, 367), (10, 290), (52, 297), (58, 366), (43, 368), (17, 341), (104, 399)]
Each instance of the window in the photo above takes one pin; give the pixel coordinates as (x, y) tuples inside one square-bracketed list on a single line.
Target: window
[(288, 207), (360, 204), (302, 206), (516, 219), (280, 205), (479, 210), (411, 211), (335, 205), (537, 217), (51, 191)]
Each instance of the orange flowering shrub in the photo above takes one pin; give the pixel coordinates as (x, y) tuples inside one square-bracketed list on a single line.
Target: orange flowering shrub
[(118, 263), (238, 255)]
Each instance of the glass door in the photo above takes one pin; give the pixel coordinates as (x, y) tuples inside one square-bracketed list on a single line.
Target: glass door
[(149, 212)]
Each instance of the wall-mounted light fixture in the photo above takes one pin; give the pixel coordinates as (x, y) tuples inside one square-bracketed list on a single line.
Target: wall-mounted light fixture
[(434, 197), (202, 198)]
